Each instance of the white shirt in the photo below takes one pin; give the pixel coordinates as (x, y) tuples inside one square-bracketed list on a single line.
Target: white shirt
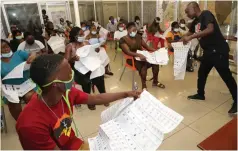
[(119, 34), (35, 47)]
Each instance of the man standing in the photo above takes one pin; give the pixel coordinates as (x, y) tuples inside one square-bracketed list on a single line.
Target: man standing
[(216, 51)]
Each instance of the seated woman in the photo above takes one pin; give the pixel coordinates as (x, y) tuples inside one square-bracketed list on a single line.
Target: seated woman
[(129, 45), (93, 38), (9, 61), (17, 38), (76, 42), (121, 32)]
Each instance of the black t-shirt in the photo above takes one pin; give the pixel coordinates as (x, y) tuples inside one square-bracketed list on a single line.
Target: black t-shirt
[(214, 41)]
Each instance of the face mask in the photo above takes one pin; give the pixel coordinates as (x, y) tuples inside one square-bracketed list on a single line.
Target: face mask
[(18, 37), (93, 41), (7, 55), (83, 28), (182, 25), (176, 29), (68, 84), (94, 32), (71, 25), (30, 42), (138, 21), (133, 34), (121, 28), (80, 39)]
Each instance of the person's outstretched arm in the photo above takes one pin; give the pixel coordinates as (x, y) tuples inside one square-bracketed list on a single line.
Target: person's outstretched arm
[(105, 98)]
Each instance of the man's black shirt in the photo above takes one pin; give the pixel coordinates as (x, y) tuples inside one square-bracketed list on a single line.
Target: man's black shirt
[(213, 42)]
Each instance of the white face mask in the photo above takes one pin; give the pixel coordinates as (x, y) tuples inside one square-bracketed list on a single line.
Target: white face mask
[(138, 21), (7, 55), (176, 29), (133, 34), (94, 32), (121, 28), (83, 28), (182, 25), (80, 39)]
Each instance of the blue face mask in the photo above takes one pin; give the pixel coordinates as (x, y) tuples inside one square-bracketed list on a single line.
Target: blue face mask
[(7, 55), (133, 34), (93, 41)]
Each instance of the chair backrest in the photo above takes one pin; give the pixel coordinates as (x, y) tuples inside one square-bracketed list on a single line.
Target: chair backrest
[(132, 67)]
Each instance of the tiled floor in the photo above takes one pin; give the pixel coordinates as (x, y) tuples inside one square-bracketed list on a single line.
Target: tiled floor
[(201, 118)]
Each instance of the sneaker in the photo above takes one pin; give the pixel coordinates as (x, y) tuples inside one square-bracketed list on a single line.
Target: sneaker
[(233, 109), (196, 97)]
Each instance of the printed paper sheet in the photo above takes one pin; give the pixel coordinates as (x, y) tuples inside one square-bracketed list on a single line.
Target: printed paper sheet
[(135, 125)]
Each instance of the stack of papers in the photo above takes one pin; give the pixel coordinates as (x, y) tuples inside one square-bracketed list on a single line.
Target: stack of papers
[(135, 125), (89, 61), (57, 44), (180, 59), (159, 57), (17, 72), (13, 92)]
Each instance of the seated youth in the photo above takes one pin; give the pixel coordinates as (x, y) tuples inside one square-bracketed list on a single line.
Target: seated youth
[(175, 36), (129, 45), (9, 61), (121, 32), (46, 122), (31, 45)]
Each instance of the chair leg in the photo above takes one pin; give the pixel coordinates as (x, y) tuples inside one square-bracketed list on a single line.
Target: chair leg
[(133, 80), (115, 56), (3, 119), (122, 73), (122, 59)]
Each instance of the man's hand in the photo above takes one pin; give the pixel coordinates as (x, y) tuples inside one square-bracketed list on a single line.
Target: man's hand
[(186, 39), (142, 57), (97, 50), (134, 94), (75, 58)]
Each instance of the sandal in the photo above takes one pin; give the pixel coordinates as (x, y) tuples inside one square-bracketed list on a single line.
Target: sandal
[(158, 84), (92, 107)]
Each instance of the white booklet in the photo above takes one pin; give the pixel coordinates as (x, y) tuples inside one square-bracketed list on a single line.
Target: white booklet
[(135, 125), (180, 59), (13, 92)]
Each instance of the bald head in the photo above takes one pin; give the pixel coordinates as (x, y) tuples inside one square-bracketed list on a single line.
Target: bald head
[(194, 4), (192, 10)]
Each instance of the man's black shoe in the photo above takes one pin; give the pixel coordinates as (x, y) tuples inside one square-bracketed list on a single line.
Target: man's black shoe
[(196, 97), (233, 109)]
